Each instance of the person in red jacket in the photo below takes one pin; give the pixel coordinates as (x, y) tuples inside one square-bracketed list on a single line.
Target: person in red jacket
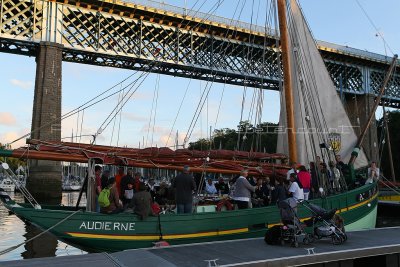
[(305, 179), (118, 178)]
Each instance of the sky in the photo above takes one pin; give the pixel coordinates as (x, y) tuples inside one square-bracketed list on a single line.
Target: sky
[(341, 21)]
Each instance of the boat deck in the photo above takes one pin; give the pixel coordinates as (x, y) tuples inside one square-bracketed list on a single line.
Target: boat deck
[(247, 252)]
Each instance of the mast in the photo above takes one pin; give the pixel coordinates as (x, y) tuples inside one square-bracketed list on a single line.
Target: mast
[(389, 145), (287, 81), (354, 154)]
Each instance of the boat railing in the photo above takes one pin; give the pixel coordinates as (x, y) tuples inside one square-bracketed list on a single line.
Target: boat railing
[(28, 196)]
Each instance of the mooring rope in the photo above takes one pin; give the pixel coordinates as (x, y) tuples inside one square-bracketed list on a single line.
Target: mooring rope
[(389, 184), (36, 236)]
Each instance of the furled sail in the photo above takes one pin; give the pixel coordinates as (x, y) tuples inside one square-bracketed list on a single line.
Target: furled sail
[(319, 113)]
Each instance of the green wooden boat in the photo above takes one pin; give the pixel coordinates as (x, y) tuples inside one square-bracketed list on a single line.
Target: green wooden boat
[(317, 122), (100, 232)]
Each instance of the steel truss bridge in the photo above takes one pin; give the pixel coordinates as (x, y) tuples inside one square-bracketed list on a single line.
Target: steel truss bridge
[(161, 38)]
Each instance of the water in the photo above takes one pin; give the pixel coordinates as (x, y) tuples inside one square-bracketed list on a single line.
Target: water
[(13, 232)]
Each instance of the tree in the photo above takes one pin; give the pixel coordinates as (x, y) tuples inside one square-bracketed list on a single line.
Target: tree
[(14, 163), (261, 138), (394, 128)]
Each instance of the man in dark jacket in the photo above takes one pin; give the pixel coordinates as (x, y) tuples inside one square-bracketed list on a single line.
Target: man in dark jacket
[(222, 187), (184, 185), (126, 192)]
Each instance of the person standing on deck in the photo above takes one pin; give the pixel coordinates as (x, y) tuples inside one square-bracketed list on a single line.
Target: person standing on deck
[(278, 192), (118, 178), (296, 188), (305, 180), (314, 180), (243, 190), (373, 173), (292, 170), (335, 176), (97, 175), (126, 190), (324, 179), (184, 185), (136, 185), (339, 163)]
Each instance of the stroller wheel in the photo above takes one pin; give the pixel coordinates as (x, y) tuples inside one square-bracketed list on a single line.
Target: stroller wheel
[(311, 238), (295, 244), (282, 241), (306, 241), (337, 239), (344, 236)]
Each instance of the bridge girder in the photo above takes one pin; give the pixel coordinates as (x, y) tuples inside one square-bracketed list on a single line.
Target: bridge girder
[(95, 36)]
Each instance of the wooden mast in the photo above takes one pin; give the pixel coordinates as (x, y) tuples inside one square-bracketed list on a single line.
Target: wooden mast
[(287, 81)]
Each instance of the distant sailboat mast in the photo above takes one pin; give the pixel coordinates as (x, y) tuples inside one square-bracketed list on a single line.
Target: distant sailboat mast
[(372, 114)]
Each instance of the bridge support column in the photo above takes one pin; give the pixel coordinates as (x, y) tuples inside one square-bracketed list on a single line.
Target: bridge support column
[(44, 180), (358, 108)]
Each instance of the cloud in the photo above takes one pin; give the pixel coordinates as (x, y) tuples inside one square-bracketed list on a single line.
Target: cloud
[(7, 118), (133, 117), (172, 139), (11, 136), (22, 84)]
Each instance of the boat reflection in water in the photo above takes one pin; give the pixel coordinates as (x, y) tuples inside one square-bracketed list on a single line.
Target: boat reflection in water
[(42, 246), (14, 231)]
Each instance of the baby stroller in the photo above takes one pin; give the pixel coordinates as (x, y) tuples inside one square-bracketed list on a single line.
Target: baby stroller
[(326, 223), (292, 230)]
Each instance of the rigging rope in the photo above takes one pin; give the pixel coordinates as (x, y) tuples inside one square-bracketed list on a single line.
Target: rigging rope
[(87, 104), (155, 108), (306, 71), (36, 236), (179, 109), (202, 101), (112, 132), (374, 26), (84, 106)]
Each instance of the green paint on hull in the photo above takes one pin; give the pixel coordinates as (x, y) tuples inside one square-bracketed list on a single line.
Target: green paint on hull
[(101, 232), (366, 222)]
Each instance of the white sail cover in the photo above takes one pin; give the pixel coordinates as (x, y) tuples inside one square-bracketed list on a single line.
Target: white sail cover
[(319, 113)]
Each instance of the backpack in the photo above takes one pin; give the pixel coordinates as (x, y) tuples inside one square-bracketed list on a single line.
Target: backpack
[(273, 234), (104, 200)]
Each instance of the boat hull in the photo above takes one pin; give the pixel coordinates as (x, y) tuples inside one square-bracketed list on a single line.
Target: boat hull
[(71, 187), (389, 198), (8, 188), (100, 232)]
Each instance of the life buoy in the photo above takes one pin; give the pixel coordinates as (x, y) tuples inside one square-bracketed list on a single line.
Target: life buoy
[(224, 203)]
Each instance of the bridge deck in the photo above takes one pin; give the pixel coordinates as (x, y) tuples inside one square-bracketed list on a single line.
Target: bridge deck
[(247, 252)]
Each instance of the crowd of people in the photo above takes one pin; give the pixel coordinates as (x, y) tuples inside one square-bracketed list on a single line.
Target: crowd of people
[(129, 191)]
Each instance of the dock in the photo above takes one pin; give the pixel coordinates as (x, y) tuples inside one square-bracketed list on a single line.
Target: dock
[(375, 247)]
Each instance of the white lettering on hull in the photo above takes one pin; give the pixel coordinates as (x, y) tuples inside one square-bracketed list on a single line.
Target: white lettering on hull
[(107, 226)]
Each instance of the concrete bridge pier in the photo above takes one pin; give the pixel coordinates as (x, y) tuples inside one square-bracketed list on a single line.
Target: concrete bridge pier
[(358, 109), (44, 181)]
